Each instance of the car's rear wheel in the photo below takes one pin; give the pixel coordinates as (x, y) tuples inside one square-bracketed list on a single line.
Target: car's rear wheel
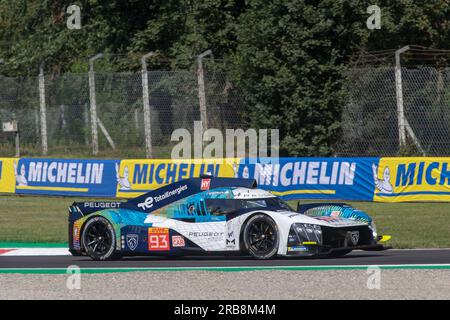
[(261, 237), (99, 239)]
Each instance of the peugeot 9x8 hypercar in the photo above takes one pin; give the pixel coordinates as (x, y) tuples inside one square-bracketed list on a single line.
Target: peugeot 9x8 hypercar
[(212, 215)]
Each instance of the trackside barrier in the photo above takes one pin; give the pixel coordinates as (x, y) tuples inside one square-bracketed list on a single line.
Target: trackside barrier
[(365, 179)]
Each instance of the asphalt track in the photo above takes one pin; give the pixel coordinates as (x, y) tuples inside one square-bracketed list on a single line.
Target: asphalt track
[(356, 258)]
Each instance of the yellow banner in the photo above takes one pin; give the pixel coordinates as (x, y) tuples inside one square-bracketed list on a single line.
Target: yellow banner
[(137, 176), (7, 175), (412, 179)]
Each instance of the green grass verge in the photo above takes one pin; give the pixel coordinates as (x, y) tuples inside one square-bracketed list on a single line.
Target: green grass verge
[(411, 225)]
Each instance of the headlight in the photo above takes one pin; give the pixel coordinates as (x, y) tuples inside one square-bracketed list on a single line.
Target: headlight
[(373, 227), (305, 232)]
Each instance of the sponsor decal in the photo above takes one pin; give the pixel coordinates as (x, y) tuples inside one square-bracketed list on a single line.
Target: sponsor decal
[(147, 204), (205, 184), (76, 235), (132, 241), (297, 248), (207, 235), (149, 201), (230, 241), (199, 234), (102, 205), (158, 239), (178, 241)]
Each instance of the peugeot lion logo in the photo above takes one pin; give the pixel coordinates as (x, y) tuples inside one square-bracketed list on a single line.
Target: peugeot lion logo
[(132, 241), (354, 237)]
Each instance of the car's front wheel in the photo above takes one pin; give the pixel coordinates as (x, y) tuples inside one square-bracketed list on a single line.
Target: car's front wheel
[(99, 239), (261, 237)]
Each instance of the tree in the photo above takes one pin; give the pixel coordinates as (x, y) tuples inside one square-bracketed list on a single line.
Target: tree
[(291, 58), (288, 57)]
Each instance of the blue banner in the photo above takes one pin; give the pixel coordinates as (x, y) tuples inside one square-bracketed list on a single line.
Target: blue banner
[(66, 177), (364, 179), (313, 178)]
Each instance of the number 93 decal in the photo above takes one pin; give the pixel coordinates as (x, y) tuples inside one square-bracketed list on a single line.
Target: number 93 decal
[(158, 239)]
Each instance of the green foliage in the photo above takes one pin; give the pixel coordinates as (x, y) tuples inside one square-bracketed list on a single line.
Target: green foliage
[(287, 56)]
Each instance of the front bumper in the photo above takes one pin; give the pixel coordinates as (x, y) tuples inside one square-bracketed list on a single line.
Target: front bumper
[(310, 240), (317, 250)]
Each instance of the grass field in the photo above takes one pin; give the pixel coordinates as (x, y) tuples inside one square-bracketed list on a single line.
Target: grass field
[(411, 225)]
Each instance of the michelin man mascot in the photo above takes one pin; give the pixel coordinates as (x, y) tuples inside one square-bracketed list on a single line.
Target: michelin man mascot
[(123, 182), (383, 184)]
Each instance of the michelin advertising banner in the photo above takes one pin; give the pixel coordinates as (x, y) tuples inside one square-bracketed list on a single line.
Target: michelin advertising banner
[(69, 177), (137, 176), (313, 178), (412, 179), (365, 179), (7, 178)]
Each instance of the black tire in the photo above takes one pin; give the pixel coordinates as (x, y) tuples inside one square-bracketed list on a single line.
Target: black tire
[(99, 239), (337, 254), (261, 237)]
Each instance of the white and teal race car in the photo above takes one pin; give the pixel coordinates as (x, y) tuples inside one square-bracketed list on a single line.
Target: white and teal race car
[(221, 216)]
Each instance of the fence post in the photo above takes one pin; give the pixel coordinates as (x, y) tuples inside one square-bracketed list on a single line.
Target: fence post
[(93, 104), (43, 111), (146, 104), (399, 95), (86, 123), (201, 89)]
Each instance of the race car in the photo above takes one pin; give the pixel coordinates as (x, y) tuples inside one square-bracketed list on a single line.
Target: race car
[(210, 215)]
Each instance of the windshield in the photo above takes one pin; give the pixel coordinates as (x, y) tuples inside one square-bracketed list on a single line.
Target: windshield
[(225, 206)]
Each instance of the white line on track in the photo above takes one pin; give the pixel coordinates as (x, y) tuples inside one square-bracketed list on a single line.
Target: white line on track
[(37, 252), (15, 252), (239, 268)]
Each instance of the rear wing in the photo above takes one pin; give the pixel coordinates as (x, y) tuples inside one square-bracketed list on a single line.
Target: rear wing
[(160, 197), (166, 195)]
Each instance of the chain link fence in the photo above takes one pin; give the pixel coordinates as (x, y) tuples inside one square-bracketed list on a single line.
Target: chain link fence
[(370, 123), (19, 100), (370, 116), (173, 99)]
